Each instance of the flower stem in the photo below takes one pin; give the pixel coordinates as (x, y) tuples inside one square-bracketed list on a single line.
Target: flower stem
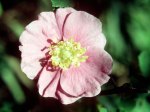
[(124, 90)]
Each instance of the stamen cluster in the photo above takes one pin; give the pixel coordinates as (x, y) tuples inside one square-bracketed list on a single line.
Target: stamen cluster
[(67, 53)]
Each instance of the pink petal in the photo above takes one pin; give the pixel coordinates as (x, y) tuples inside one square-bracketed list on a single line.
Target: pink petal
[(87, 79), (84, 28), (48, 82), (100, 58), (33, 40), (61, 15), (50, 28), (66, 99), (30, 60)]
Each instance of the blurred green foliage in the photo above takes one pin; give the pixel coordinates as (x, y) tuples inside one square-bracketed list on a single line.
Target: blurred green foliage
[(116, 43), (45, 5), (1, 9), (144, 63), (138, 26), (6, 107), (18, 26), (142, 105), (101, 109), (62, 3), (12, 83), (14, 65)]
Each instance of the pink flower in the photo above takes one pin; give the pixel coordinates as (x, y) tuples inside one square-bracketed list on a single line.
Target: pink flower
[(65, 52)]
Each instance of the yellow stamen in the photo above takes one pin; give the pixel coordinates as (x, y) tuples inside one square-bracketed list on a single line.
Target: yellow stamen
[(67, 53)]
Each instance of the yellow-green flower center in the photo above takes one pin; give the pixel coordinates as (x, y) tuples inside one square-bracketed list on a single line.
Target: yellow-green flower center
[(67, 53)]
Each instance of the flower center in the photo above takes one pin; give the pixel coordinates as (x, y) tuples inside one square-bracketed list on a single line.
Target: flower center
[(67, 53)]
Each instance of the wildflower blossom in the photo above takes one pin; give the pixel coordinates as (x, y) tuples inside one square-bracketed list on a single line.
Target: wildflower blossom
[(65, 52)]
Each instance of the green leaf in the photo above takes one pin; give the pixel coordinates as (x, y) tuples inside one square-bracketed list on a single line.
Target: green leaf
[(14, 25), (1, 9), (143, 2), (62, 3), (12, 84), (45, 5), (115, 42), (126, 104), (14, 64), (6, 107), (144, 63), (101, 109), (138, 27), (108, 102), (141, 105)]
